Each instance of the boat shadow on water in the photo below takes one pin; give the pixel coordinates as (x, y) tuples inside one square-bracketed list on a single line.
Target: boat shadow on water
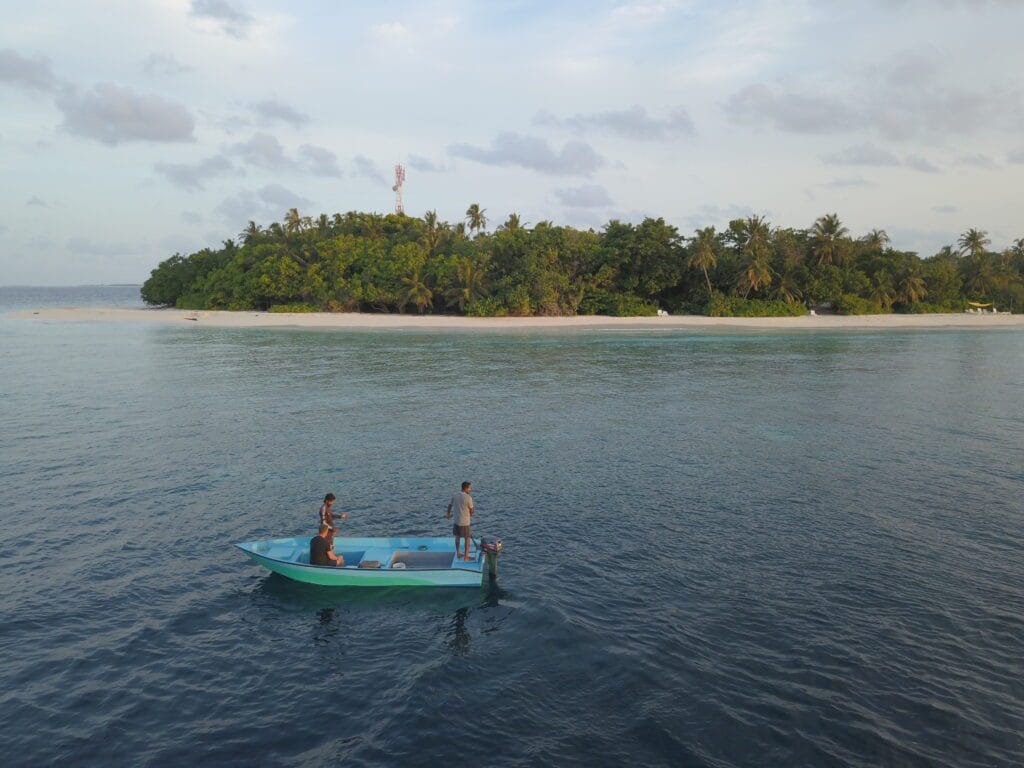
[(288, 594)]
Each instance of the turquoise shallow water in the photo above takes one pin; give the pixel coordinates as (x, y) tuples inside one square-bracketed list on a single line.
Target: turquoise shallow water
[(722, 549)]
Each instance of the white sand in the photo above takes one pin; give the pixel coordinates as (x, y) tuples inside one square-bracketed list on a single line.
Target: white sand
[(354, 320)]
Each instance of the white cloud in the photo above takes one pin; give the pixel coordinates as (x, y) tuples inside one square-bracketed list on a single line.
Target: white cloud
[(586, 196), (193, 176), (631, 123), (862, 154), (112, 114), (319, 161), (271, 111), (266, 204), (223, 16), (575, 158), (262, 151), (31, 73), (368, 169)]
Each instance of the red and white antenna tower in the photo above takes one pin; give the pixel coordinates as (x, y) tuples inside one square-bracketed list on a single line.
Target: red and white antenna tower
[(397, 189)]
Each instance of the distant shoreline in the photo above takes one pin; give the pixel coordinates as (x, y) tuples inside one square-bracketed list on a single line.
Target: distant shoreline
[(369, 321)]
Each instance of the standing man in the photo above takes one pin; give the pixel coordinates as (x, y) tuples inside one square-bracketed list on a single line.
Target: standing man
[(327, 515), (462, 503)]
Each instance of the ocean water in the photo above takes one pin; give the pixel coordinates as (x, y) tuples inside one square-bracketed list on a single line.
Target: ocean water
[(728, 549)]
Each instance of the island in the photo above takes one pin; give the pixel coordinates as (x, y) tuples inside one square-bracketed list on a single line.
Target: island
[(372, 263)]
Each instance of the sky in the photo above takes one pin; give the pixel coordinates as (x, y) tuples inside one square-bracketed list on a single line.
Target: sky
[(133, 130)]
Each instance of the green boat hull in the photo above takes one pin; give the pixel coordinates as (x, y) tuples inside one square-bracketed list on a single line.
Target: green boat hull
[(404, 562)]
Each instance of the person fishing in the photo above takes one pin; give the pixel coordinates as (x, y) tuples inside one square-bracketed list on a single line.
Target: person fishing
[(327, 516), (462, 503)]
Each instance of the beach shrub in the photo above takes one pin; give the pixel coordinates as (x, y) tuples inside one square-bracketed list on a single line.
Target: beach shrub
[(850, 304), (489, 307), (293, 308), (929, 308), (735, 306), (617, 305)]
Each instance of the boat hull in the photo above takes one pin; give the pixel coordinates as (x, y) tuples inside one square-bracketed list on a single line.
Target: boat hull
[(428, 561)]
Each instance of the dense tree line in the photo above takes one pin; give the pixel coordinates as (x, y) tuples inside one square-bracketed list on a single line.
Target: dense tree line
[(396, 263)]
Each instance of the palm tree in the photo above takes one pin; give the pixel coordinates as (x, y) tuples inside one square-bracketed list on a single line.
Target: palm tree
[(911, 288), (468, 284), (789, 288), (703, 256), (882, 289), (475, 219), (755, 233), (419, 292), (826, 235), (433, 232), (876, 239), (323, 224), (972, 243), (251, 232), (758, 271), (292, 221), (513, 223)]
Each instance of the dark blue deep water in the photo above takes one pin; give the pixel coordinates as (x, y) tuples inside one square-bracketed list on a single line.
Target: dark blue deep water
[(743, 549)]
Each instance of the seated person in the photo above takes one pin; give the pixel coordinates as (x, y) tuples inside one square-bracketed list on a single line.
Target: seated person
[(320, 549)]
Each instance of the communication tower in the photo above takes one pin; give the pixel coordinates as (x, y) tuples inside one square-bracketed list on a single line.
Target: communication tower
[(397, 189)]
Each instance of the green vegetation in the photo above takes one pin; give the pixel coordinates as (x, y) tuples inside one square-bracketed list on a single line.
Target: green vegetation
[(394, 263)]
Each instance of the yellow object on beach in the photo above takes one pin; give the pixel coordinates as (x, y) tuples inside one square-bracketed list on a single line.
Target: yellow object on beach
[(979, 304)]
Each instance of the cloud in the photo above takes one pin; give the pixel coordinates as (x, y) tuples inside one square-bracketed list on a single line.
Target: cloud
[(366, 168), (632, 123), (262, 151), (270, 111), (424, 165), (163, 64), (112, 113), (945, 209), (862, 154), (34, 74), (576, 158), (586, 196), (871, 155), (193, 175), (319, 161), (36, 202), (918, 163), (977, 160), (224, 16), (718, 215), (899, 99), (851, 182), (788, 111), (268, 203), (1016, 156), (191, 217)]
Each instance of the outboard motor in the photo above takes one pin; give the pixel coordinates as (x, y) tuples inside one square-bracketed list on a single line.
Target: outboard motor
[(491, 547)]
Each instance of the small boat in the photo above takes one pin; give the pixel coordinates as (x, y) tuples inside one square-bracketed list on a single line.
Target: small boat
[(428, 561)]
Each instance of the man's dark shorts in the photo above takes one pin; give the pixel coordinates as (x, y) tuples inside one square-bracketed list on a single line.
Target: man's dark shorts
[(460, 530)]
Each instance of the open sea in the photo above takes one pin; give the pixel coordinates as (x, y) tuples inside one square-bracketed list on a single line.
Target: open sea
[(721, 549)]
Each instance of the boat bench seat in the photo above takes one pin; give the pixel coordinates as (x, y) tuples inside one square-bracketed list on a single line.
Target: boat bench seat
[(382, 555)]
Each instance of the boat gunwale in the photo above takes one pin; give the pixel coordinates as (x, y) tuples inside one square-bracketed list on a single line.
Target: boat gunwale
[(336, 568)]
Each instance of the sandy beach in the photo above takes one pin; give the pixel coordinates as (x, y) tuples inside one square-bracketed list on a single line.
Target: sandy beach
[(354, 320)]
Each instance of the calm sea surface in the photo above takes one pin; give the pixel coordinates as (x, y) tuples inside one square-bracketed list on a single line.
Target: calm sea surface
[(733, 549)]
